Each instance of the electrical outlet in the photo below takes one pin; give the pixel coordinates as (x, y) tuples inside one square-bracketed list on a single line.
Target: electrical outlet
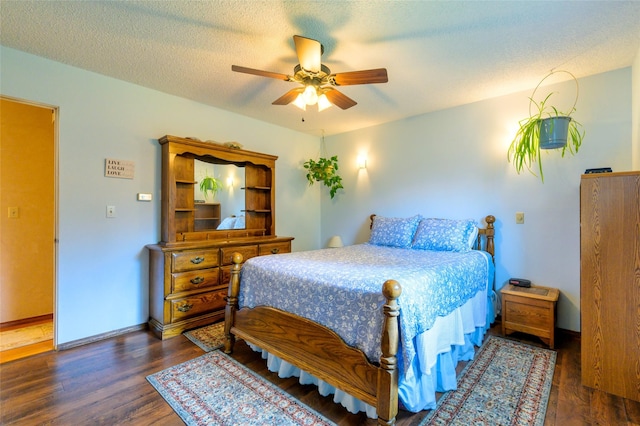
[(519, 218), (111, 211)]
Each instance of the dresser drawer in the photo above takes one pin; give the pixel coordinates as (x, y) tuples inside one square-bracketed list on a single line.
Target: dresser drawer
[(247, 252), (194, 259), (197, 305), (275, 248), (194, 280)]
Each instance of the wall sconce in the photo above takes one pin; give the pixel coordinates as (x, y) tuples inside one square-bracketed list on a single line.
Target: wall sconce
[(335, 242), (230, 182), (362, 162)]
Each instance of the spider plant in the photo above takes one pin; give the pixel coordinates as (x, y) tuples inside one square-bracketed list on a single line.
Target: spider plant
[(525, 149)]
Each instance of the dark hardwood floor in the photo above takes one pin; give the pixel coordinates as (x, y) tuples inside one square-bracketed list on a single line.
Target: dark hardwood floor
[(105, 383)]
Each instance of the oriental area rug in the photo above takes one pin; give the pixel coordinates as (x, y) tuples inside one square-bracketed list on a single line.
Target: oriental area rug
[(215, 389), (208, 338), (508, 383)]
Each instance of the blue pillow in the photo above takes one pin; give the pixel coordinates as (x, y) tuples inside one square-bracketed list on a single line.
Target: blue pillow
[(393, 231), (445, 235), (227, 223), (240, 224)]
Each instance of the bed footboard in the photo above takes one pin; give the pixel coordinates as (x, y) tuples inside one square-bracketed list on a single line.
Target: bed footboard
[(320, 351)]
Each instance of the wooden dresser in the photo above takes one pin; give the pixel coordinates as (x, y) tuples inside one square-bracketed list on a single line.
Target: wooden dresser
[(188, 284), (189, 269), (610, 282)]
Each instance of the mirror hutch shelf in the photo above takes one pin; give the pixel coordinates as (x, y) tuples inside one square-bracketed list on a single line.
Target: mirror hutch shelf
[(189, 269)]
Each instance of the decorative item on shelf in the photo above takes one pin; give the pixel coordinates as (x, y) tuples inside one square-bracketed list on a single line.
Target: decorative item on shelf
[(547, 128), (211, 185), (233, 145), (335, 242)]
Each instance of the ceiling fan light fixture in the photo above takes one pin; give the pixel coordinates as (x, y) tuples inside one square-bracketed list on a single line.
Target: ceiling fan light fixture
[(323, 102), (316, 79)]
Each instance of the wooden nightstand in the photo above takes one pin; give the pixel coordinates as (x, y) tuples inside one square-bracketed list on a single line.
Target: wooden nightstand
[(530, 310)]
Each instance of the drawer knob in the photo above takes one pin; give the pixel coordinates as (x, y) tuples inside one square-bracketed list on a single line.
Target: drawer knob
[(197, 260), (185, 308), (197, 280), (275, 250)]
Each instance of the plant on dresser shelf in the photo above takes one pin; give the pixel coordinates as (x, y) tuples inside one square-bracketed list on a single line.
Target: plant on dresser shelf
[(211, 185)]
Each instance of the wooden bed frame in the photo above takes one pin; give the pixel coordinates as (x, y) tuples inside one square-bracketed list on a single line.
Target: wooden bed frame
[(320, 351)]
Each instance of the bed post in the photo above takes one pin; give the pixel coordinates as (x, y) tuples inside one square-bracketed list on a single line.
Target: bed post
[(489, 233), (232, 303), (387, 395)]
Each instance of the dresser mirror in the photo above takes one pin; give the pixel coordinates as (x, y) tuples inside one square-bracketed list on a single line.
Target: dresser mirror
[(243, 205), (230, 195)]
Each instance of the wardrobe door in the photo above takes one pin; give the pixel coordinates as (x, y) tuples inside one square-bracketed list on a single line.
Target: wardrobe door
[(610, 282)]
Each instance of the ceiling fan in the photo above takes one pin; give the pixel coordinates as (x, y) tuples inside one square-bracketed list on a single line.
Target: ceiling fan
[(316, 80)]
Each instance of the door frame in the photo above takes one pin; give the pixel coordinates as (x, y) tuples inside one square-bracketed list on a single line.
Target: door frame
[(56, 116)]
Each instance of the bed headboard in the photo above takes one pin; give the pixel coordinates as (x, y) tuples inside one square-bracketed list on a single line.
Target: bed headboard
[(485, 240), (489, 234)]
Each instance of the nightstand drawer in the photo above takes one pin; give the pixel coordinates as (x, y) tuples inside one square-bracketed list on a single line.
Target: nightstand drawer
[(530, 314), (193, 259)]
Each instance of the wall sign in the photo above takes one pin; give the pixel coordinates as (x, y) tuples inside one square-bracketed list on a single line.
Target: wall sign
[(119, 168)]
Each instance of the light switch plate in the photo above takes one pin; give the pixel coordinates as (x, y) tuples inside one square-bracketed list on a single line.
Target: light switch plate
[(144, 197), (14, 212)]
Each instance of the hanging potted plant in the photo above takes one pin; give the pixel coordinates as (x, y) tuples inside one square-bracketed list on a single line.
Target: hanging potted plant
[(547, 128), (211, 185), (324, 170)]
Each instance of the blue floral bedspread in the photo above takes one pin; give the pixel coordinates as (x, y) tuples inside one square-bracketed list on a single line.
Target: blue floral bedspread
[(341, 288)]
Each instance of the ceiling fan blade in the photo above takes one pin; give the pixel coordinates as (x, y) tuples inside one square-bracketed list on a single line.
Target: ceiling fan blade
[(261, 73), (288, 97), (339, 99), (378, 75), (309, 53)]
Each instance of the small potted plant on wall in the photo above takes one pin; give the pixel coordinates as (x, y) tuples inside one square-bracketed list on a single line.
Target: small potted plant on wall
[(211, 185), (547, 128), (324, 170)]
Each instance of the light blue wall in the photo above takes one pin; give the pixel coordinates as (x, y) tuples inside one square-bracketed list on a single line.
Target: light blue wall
[(449, 163), (102, 268), (453, 164)]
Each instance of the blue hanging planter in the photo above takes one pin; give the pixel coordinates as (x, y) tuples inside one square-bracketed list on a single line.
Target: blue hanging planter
[(554, 132)]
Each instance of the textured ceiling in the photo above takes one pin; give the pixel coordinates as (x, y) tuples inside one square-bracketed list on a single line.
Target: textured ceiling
[(438, 54)]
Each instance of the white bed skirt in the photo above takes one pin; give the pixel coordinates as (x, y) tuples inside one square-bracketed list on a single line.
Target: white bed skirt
[(451, 339)]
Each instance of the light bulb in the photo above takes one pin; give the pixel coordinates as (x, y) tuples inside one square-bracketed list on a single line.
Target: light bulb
[(300, 103), (323, 102), (310, 95)]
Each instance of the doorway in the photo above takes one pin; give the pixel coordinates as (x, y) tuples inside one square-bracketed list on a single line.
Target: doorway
[(28, 224)]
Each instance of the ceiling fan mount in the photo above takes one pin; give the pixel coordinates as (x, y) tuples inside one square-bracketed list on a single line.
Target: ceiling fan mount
[(302, 76), (316, 80)]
